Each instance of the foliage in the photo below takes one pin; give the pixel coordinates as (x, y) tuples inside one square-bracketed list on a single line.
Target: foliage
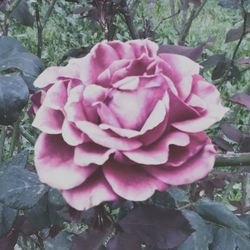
[(204, 215)]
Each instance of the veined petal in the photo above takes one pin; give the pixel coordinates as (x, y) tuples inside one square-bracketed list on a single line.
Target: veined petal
[(48, 120), (106, 139), (54, 163), (91, 193), (131, 182)]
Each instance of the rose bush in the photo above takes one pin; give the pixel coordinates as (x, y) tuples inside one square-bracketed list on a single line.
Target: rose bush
[(122, 122)]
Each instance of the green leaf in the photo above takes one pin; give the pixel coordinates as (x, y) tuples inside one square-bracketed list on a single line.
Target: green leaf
[(201, 237), (38, 215), (21, 13), (20, 188), (16, 58), (62, 241), (14, 95), (7, 219), (219, 214), (19, 160), (172, 198), (229, 232), (226, 238)]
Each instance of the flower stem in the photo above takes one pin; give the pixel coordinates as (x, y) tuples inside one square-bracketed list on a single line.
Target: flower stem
[(14, 138), (2, 140)]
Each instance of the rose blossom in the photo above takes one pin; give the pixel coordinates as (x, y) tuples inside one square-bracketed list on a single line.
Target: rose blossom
[(122, 122)]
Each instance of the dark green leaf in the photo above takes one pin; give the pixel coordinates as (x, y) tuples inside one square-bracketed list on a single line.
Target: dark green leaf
[(179, 195), (61, 242), (219, 214), (20, 188), (172, 198), (91, 239), (15, 58), (19, 160), (155, 226), (14, 95), (226, 238), (201, 237), (220, 70), (7, 219), (56, 199), (21, 13), (38, 215)]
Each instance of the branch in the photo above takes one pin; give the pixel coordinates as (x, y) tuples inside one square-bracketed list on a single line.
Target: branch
[(243, 33), (194, 13), (9, 11), (41, 25), (125, 11), (2, 140), (232, 160)]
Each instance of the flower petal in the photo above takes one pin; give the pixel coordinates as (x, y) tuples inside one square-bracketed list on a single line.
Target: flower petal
[(56, 96), (72, 135), (107, 139), (51, 75), (54, 163), (48, 120), (131, 182), (90, 153), (91, 193), (158, 153), (196, 168)]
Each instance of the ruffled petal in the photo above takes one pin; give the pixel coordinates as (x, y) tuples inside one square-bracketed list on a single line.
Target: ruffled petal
[(94, 93), (158, 153), (54, 163), (181, 67), (72, 135), (52, 74), (131, 182), (91, 193), (196, 168), (90, 153), (107, 139), (48, 120), (205, 98)]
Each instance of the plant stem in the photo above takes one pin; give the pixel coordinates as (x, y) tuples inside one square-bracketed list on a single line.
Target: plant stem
[(27, 136), (2, 140), (7, 16), (41, 25), (14, 138), (186, 26), (125, 11), (232, 160)]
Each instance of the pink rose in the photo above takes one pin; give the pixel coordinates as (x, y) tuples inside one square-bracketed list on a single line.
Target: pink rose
[(123, 122)]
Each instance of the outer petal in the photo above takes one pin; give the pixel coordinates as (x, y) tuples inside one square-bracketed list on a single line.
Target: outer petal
[(37, 100), (54, 163), (179, 155), (106, 139), (72, 135), (131, 182), (158, 153), (196, 168), (48, 120), (56, 96), (98, 60), (90, 153), (91, 193), (181, 66), (205, 98), (51, 75), (144, 46)]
